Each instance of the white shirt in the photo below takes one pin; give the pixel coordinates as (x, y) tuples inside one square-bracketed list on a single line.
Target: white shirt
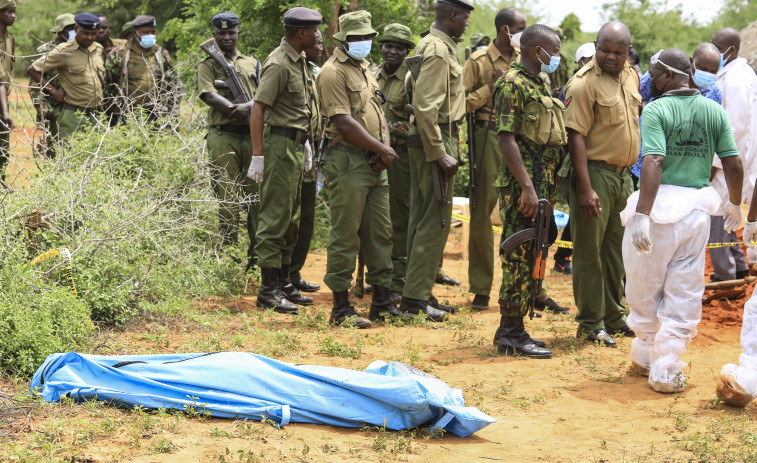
[(739, 84)]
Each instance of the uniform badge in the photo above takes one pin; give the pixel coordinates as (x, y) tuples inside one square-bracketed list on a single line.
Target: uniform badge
[(223, 25), (567, 101)]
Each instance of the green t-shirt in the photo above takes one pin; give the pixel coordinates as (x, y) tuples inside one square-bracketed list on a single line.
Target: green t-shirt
[(688, 131)]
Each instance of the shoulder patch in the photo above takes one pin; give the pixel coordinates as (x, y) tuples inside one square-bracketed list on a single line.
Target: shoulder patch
[(567, 101)]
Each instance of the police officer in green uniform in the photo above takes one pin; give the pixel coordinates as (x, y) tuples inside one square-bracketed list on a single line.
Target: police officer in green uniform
[(531, 135), (80, 77), (44, 104), (479, 41), (139, 73), (439, 102), (8, 56), (355, 170), (396, 42), (103, 37), (278, 150), (228, 140), (309, 185)]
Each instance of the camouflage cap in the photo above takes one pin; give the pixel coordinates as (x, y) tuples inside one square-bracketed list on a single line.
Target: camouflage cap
[(355, 23), (475, 39), (7, 4), (397, 33), (62, 21)]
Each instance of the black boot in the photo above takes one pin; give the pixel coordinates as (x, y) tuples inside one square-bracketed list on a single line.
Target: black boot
[(416, 306), (270, 296), (514, 339), (498, 334), (382, 305), (301, 284), (292, 293), (434, 302), (344, 314)]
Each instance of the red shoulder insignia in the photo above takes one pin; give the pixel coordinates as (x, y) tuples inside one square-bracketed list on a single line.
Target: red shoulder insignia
[(568, 100)]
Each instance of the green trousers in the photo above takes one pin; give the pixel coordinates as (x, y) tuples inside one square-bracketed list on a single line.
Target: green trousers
[(69, 121), (399, 209), (305, 230), (280, 192), (598, 270), (360, 220), (426, 238), (230, 155), (481, 238)]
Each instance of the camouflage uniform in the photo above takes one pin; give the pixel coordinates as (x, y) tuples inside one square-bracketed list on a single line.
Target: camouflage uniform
[(148, 80), (524, 105)]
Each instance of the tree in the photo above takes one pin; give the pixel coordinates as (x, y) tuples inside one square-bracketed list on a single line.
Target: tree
[(571, 26)]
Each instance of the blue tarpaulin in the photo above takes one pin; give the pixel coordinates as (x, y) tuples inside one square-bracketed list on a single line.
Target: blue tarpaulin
[(249, 386)]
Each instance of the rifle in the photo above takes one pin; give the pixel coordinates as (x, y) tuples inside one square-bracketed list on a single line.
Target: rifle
[(233, 80), (540, 234), (360, 280), (321, 142), (470, 120), (440, 189)]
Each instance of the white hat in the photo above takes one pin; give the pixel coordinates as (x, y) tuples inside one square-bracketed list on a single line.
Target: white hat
[(586, 50)]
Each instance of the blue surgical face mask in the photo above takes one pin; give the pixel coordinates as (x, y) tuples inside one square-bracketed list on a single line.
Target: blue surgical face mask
[(359, 50), (554, 62), (723, 58), (481, 47), (71, 35), (703, 79), (147, 41)]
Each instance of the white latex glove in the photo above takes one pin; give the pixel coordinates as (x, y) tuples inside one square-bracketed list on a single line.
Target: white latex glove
[(640, 233), (308, 155), (750, 233), (732, 216), (255, 171)]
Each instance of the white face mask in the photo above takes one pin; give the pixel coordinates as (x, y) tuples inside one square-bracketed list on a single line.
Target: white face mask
[(71, 35), (514, 38), (481, 47)]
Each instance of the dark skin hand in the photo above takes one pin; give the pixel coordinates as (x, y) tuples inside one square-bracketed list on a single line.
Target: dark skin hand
[(226, 39), (528, 203)]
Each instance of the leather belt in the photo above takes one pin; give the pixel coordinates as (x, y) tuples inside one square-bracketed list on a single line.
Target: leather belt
[(400, 148), (295, 135), (489, 125), (620, 170), (352, 149), (88, 111), (236, 129), (447, 127)]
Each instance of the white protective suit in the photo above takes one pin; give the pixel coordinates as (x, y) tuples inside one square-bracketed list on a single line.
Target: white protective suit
[(664, 288), (738, 82), (737, 384)]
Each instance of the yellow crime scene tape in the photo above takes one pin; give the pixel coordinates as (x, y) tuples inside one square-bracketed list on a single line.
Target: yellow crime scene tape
[(65, 254), (569, 245)]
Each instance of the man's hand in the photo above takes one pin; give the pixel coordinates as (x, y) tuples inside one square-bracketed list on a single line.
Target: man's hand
[(387, 157), (499, 72), (528, 203), (732, 216), (58, 94), (448, 165), (255, 171), (8, 122), (241, 112), (640, 233), (750, 233), (588, 201)]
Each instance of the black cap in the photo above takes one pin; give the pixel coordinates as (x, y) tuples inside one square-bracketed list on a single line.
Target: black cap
[(225, 21), (87, 21), (144, 20), (302, 17), (466, 5)]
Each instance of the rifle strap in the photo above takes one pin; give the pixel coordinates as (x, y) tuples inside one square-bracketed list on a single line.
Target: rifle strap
[(536, 157)]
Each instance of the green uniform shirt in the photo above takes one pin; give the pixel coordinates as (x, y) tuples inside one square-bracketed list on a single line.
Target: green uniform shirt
[(345, 88), (80, 72), (687, 130), (209, 71), (143, 75), (44, 99), (440, 76), (7, 58), (525, 108), (393, 88), (283, 88), (478, 71)]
